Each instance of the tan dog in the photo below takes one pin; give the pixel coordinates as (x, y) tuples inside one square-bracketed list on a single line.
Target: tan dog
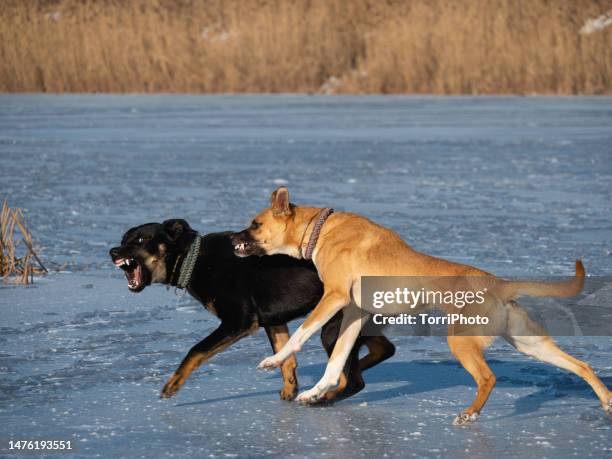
[(349, 247)]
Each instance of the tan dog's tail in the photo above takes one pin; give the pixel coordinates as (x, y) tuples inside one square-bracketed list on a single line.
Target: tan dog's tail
[(514, 289)]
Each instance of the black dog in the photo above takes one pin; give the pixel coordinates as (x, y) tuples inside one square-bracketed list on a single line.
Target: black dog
[(244, 293)]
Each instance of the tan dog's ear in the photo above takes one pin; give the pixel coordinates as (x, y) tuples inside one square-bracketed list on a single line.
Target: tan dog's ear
[(279, 202)]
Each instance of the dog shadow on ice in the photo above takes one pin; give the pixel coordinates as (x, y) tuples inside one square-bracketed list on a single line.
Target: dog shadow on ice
[(427, 376), (423, 376)]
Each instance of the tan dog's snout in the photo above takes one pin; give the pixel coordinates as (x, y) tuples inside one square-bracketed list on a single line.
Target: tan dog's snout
[(268, 233)]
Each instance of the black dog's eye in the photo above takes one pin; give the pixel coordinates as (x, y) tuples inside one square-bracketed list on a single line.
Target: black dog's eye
[(255, 224)]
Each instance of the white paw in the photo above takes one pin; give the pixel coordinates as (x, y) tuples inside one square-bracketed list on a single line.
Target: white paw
[(310, 396), (463, 419), (270, 363)]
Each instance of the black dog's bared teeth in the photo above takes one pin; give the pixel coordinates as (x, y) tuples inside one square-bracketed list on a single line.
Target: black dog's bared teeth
[(241, 246), (134, 277), (126, 264)]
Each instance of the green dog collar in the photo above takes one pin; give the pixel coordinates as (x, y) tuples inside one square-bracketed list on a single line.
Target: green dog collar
[(189, 263)]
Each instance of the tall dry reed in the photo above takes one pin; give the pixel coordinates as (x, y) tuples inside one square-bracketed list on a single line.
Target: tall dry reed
[(351, 46), (17, 256)]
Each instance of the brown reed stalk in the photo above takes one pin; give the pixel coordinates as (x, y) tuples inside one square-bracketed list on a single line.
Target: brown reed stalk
[(346, 46), (18, 269)]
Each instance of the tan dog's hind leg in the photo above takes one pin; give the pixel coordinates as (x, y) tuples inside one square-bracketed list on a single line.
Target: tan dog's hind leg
[(545, 349), (469, 351), (529, 338), (278, 336), (349, 331), (329, 305)]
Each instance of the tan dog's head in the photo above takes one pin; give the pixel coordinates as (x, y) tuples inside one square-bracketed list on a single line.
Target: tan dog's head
[(272, 231)]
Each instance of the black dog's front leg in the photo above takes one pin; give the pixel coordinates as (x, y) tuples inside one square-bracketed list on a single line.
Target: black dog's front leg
[(278, 336), (214, 343)]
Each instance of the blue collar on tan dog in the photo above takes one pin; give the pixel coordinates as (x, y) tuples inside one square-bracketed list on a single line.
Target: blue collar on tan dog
[(314, 236)]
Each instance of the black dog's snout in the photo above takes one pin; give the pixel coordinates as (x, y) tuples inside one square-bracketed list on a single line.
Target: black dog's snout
[(243, 237), (114, 252), (244, 244)]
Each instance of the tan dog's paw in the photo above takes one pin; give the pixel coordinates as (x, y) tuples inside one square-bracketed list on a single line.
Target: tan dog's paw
[(175, 382), (270, 363), (310, 396), (608, 407), (464, 418)]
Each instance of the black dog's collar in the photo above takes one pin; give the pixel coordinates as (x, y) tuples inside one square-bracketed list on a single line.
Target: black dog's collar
[(187, 264), (314, 236)]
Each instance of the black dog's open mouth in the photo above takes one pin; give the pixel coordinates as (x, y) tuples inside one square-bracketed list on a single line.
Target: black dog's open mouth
[(243, 249), (247, 249), (133, 272)]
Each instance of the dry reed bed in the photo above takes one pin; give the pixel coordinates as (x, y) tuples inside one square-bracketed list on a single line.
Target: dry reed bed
[(15, 239), (346, 46)]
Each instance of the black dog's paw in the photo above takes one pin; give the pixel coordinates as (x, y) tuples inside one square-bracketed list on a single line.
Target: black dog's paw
[(173, 385), (288, 393)]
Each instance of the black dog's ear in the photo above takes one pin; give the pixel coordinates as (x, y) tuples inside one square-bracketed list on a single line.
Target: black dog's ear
[(279, 201), (176, 227)]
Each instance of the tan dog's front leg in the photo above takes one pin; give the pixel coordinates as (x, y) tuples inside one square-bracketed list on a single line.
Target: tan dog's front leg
[(329, 305), (349, 331)]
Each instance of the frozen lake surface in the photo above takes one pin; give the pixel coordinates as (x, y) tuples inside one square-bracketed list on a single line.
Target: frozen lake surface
[(517, 186)]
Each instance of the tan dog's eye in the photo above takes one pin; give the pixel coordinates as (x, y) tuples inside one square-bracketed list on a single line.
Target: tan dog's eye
[(255, 224)]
